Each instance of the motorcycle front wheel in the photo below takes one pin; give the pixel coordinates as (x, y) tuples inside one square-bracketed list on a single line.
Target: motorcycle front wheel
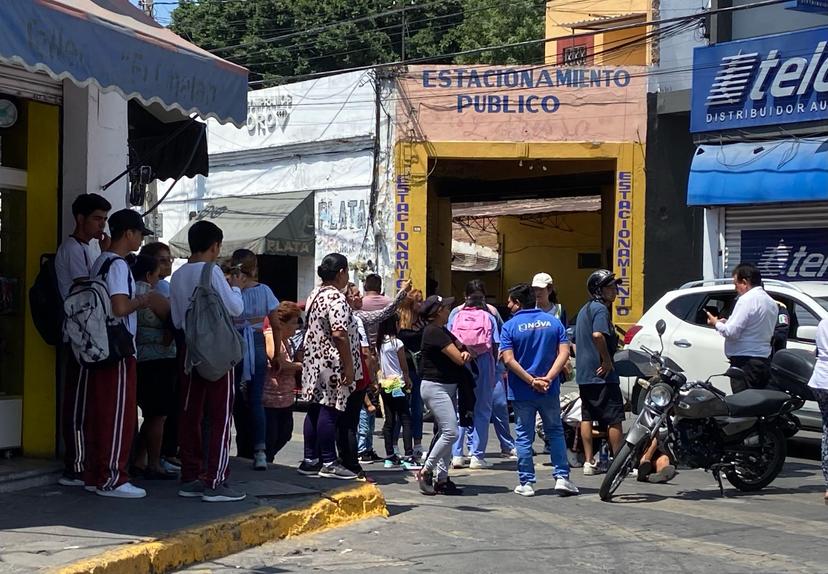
[(621, 467), (762, 467)]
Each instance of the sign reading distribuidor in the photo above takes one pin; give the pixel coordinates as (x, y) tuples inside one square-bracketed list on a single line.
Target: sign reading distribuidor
[(777, 79)]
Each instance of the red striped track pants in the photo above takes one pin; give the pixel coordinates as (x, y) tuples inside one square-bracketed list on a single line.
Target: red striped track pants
[(111, 418), (215, 399)]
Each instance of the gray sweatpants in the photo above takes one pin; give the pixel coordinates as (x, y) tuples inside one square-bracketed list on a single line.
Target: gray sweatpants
[(439, 398)]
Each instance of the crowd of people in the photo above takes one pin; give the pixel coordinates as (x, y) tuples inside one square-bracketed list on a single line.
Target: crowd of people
[(348, 356)]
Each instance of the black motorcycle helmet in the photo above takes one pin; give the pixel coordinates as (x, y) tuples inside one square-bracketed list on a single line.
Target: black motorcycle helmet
[(600, 279)]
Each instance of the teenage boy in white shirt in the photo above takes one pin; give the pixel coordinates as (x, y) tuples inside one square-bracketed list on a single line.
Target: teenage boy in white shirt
[(112, 404), (198, 395), (73, 263)]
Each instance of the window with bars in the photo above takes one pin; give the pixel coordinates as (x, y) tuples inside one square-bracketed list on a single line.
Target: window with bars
[(575, 56)]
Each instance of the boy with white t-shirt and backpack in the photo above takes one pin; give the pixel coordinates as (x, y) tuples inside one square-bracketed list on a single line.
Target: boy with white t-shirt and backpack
[(73, 263), (112, 408), (215, 395)]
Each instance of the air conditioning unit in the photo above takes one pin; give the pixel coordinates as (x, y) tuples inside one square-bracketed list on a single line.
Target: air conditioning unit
[(11, 422)]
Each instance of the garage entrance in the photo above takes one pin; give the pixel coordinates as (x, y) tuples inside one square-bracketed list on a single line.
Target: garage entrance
[(503, 221)]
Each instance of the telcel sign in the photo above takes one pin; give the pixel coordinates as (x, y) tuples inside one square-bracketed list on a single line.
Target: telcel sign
[(778, 79)]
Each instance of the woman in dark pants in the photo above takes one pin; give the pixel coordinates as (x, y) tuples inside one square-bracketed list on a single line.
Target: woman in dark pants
[(331, 366)]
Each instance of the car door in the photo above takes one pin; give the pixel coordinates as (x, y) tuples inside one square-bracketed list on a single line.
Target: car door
[(698, 348), (802, 335)]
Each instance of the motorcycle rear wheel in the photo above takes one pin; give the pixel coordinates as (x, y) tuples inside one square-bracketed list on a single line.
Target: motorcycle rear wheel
[(621, 467), (774, 450)]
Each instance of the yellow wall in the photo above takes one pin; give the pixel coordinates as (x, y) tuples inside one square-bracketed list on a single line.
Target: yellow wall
[(39, 387), (532, 249), (611, 53), (627, 239), (558, 16)]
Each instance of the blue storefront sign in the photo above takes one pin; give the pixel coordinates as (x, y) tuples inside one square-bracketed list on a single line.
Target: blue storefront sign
[(779, 79), (788, 254)]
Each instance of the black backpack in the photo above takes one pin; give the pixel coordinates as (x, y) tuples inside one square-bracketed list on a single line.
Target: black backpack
[(45, 302)]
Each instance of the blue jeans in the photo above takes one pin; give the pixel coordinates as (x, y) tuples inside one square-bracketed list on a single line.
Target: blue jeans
[(500, 416), (415, 404), (255, 388), (365, 432), (549, 408), (478, 435)]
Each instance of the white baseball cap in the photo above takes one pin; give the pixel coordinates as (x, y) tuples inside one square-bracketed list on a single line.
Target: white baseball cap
[(542, 280)]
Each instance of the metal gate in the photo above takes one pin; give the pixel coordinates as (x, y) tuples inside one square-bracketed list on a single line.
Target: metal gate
[(16, 81), (767, 217)]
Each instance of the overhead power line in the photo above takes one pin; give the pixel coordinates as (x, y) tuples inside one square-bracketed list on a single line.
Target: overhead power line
[(425, 59)]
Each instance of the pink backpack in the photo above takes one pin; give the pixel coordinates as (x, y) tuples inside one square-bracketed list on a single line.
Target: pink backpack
[(473, 328)]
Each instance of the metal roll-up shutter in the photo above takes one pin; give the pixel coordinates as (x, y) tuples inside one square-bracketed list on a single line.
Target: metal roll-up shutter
[(16, 81), (768, 218)]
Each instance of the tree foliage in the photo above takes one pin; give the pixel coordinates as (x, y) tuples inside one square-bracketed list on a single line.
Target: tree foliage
[(282, 40)]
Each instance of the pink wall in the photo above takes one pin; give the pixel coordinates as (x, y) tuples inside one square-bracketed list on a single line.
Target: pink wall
[(530, 103)]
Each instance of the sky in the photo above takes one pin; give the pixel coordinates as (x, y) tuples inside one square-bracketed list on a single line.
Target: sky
[(163, 9)]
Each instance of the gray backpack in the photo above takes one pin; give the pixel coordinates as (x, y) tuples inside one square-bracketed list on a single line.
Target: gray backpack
[(214, 346)]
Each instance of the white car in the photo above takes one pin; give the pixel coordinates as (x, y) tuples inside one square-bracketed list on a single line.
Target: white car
[(699, 349)]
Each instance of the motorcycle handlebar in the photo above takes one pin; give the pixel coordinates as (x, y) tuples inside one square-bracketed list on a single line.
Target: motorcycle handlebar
[(653, 354)]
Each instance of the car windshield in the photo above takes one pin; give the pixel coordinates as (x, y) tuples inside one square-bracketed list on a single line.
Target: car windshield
[(823, 301)]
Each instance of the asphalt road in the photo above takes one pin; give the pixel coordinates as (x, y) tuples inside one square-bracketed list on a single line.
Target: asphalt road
[(684, 526)]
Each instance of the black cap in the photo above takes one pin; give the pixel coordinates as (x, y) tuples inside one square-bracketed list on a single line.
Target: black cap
[(433, 304), (127, 219)]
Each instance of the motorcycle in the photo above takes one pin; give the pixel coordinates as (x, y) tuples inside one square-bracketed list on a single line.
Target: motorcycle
[(699, 426)]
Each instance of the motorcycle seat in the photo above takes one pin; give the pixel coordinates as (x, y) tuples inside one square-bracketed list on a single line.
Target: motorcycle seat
[(756, 403)]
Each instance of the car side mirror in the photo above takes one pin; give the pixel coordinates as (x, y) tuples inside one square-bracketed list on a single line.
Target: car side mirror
[(661, 327)]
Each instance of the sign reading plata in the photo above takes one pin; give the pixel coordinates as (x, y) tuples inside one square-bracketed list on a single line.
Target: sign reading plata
[(778, 79)]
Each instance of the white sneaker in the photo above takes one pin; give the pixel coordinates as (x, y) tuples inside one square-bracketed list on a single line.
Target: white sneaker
[(591, 469), (126, 490), (418, 452), (459, 462), (90, 488), (479, 463), (573, 459), (67, 480), (565, 487), (525, 490), (509, 454)]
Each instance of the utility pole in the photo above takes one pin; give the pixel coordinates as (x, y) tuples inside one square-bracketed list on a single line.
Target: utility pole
[(148, 7), (402, 32), (151, 197)]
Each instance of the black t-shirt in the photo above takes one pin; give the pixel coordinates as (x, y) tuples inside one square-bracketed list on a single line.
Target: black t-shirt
[(436, 365), (412, 339)]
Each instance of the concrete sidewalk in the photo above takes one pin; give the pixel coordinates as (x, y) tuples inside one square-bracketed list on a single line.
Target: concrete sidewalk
[(70, 530)]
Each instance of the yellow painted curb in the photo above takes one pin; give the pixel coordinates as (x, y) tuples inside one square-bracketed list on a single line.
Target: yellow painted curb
[(234, 534)]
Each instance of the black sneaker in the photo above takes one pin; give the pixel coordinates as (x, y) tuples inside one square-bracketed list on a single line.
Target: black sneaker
[(309, 468), (425, 478), (336, 470), (370, 457)]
